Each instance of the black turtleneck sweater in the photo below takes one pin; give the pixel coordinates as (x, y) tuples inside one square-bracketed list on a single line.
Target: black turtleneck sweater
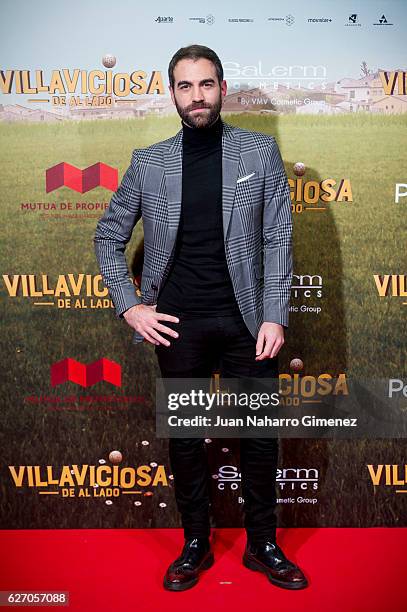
[(198, 283)]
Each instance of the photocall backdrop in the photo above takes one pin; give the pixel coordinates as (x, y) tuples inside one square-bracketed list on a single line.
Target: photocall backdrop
[(84, 84)]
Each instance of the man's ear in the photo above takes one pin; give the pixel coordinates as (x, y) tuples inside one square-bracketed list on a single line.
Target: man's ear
[(171, 93)]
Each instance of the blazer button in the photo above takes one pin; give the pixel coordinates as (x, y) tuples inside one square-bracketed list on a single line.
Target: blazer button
[(154, 287)]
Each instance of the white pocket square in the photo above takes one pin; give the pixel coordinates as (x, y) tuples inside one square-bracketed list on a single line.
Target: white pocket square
[(244, 178)]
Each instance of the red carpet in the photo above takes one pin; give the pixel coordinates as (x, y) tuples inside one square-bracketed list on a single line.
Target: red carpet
[(349, 570)]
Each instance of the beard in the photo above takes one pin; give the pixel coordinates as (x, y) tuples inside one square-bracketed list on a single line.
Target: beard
[(200, 119)]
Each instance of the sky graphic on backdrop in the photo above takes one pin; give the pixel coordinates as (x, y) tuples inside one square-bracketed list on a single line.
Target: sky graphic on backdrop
[(53, 35)]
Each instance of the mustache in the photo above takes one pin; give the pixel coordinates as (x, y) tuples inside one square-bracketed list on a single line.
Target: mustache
[(191, 108)]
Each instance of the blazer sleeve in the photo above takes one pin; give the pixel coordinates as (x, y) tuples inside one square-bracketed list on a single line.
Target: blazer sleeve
[(277, 240), (113, 232)]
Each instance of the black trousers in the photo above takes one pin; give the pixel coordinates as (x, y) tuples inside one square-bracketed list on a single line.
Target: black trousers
[(203, 343)]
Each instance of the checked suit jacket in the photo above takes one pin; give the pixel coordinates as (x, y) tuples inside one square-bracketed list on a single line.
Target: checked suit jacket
[(257, 225)]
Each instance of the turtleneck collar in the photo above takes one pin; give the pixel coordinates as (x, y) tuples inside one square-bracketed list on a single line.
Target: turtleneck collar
[(202, 135)]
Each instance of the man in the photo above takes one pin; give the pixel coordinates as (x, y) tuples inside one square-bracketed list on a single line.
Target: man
[(215, 286)]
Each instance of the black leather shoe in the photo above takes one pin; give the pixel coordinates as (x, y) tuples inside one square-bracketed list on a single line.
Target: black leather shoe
[(270, 559), (183, 573)]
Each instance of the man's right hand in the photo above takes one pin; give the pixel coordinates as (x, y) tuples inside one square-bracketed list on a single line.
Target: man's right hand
[(145, 320)]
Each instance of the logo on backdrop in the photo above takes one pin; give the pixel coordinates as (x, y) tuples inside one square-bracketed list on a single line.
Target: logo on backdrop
[(69, 291), (240, 20), (296, 388), (394, 83), (82, 181), (382, 21), (208, 20), (391, 286), (385, 475), (98, 174), (313, 195), (161, 19), (288, 20), (86, 375), (63, 174), (97, 87), (353, 20), (400, 192), (290, 481), (102, 481), (319, 20), (397, 387), (70, 370), (261, 85), (306, 288)]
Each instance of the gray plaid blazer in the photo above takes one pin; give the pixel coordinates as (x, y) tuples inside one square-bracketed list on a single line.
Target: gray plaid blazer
[(257, 224)]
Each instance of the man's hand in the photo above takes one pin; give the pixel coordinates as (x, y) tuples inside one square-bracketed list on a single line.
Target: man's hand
[(269, 341), (145, 320)]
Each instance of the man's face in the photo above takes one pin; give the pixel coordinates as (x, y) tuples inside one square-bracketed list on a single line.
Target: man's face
[(197, 93)]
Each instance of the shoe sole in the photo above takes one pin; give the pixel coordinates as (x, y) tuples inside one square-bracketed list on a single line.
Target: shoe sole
[(206, 564), (258, 567)]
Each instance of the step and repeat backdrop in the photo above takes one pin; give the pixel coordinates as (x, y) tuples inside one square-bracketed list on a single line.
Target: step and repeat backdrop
[(82, 85)]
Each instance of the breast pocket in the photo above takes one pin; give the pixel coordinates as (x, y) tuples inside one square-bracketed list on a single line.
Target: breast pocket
[(249, 190)]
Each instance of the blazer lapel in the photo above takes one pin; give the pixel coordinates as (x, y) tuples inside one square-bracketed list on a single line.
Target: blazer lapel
[(173, 182), (173, 179), (230, 167)]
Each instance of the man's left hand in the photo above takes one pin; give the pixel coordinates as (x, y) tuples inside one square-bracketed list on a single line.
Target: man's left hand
[(269, 341)]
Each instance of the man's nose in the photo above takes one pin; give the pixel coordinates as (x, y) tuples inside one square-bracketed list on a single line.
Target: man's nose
[(197, 94)]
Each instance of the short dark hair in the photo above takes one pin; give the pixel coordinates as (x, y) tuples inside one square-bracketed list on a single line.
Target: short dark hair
[(195, 52)]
